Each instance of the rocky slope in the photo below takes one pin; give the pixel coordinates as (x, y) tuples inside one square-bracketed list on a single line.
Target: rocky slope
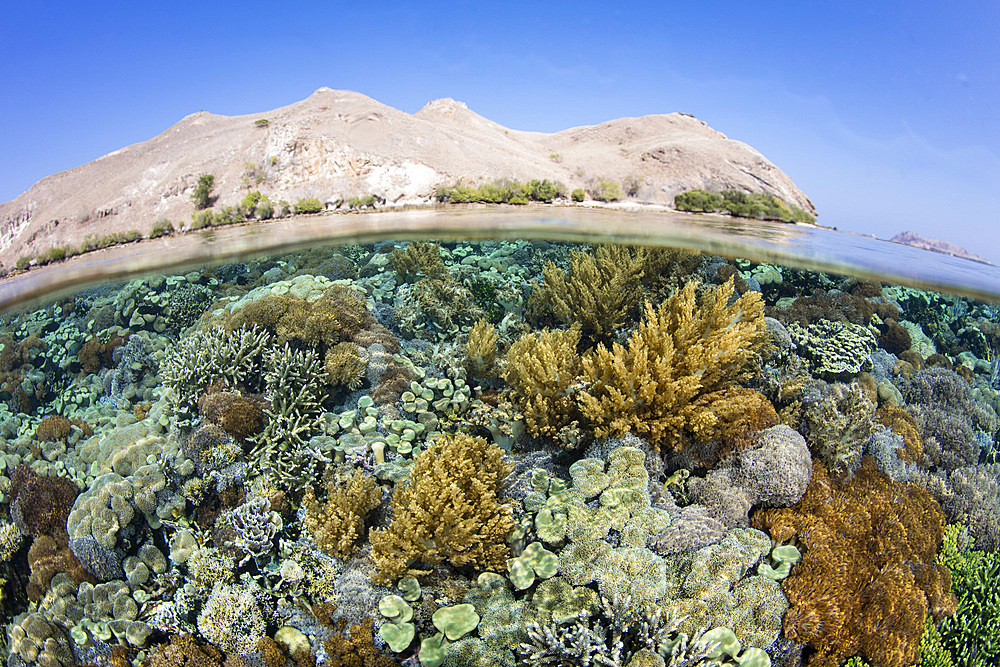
[(337, 144)]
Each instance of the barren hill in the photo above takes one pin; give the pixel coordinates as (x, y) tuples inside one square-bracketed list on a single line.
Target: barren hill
[(937, 245), (337, 144)]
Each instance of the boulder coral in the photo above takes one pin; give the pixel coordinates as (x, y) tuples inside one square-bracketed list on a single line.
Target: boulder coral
[(449, 512), (868, 577)]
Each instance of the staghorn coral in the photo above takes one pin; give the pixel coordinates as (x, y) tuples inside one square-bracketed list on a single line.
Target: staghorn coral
[(542, 368), (449, 512), (232, 619), (339, 522), (868, 577), (600, 291), (676, 373)]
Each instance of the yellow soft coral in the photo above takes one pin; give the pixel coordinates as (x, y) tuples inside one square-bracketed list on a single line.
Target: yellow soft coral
[(678, 370), (449, 512), (339, 523), (481, 349), (600, 291), (542, 368)]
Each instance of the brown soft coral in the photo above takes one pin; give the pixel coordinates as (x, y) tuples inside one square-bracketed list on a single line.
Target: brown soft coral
[(239, 416), (47, 557), (96, 354), (868, 576), (184, 651), (53, 429), (355, 649), (902, 424), (345, 365), (338, 523), (449, 512), (40, 505), (676, 375)]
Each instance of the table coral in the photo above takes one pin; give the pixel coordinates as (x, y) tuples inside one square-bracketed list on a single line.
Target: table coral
[(449, 512), (676, 374), (867, 579)]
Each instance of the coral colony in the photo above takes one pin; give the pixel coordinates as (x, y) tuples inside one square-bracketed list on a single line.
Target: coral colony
[(500, 453)]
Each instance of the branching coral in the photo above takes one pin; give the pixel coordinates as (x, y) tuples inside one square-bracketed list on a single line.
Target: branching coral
[(676, 373), (449, 512), (599, 292), (338, 523), (868, 578), (542, 368)]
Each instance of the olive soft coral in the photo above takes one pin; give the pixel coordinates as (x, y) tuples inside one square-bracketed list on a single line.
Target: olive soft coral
[(450, 510), (868, 576), (678, 370)]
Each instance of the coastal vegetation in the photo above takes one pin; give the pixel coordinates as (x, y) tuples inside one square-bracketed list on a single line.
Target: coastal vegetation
[(755, 205), (501, 191)]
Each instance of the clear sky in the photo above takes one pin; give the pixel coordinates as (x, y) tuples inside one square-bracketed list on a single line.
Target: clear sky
[(887, 114)]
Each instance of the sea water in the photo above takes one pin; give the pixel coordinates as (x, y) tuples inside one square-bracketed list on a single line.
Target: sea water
[(498, 438)]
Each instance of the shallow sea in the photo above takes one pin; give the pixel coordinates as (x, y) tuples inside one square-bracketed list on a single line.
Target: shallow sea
[(501, 437)]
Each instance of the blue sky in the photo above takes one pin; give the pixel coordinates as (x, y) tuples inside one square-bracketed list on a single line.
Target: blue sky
[(887, 114)]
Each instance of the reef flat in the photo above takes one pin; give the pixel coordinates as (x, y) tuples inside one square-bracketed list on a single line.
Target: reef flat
[(500, 453)]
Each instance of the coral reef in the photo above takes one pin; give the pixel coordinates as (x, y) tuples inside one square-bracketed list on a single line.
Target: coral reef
[(868, 577), (449, 512)]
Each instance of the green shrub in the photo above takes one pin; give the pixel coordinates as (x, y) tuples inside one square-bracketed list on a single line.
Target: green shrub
[(55, 254), (606, 190), (202, 195), (578, 195), (264, 209), (631, 185), (362, 202), (283, 209), (129, 236), (202, 219), (249, 203), (544, 190), (308, 205), (262, 122), (22, 263), (228, 215), (698, 200), (161, 227)]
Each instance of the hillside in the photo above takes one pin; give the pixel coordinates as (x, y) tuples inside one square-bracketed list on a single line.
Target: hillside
[(338, 144)]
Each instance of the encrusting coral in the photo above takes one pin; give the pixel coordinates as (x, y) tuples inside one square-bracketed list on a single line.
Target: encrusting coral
[(338, 523), (449, 512), (868, 576), (676, 375)]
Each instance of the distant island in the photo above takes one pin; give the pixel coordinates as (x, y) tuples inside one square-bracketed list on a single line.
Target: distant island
[(340, 151), (937, 245)]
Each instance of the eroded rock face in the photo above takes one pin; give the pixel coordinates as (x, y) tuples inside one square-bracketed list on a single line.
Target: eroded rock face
[(337, 144)]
